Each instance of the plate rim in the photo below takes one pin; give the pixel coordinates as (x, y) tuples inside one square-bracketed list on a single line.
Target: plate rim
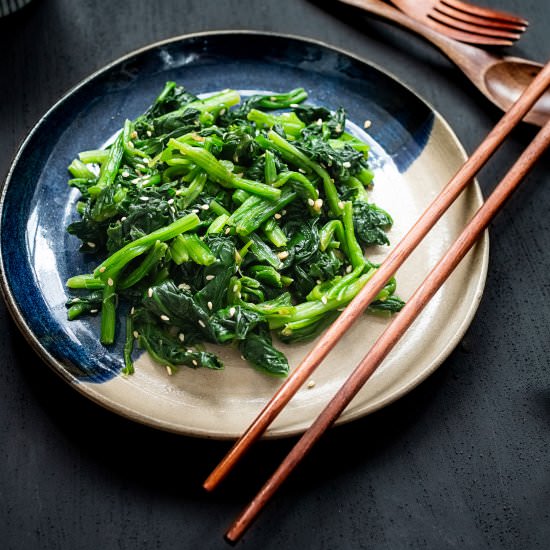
[(107, 403)]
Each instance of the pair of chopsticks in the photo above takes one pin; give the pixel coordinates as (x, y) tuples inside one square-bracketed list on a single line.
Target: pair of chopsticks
[(405, 317)]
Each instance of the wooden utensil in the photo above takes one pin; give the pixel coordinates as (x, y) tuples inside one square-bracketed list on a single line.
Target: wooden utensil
[(465, 22), (419, 299), (501, 79)]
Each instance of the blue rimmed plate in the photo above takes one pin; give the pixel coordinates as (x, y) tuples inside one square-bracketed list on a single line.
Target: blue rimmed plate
[(413, 154)]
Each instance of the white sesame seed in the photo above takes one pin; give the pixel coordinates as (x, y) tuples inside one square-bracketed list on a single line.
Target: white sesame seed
[(367, 124), (149, 133), (318, 204), (91, 244), (294, 105), (301, 170), (222, 112), (209, 277), (135, 334), (283, 255), (195, 211), (143, 198), (102, 269), (130, 145), (319, 121), (311, 202), (165, 318), (340, 205), (93, 310), (201, 323), (205, 206), (324, 299), (338, 128), (170, 201), (235, 288), (232, 311), (277, 216), (123, 218), (195, 362), (184, 286), (110, 281), (125, 173), (349, 269), (169, 370), (150, 292), (227, 230), (134, 135), (210, 305), (132, 311), (189, 350), (318, 282), (273, 98), (346, 164), (181, 337), (311, 384)]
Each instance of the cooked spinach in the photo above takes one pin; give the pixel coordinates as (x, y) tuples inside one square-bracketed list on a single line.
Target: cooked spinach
[(225, 222)]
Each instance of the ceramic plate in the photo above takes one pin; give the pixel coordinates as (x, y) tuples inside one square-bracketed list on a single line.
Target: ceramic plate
[(413, 154)]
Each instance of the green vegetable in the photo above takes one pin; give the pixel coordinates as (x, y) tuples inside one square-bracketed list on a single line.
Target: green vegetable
[(215, 221)]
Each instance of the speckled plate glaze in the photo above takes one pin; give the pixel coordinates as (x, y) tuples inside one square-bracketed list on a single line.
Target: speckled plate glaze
[(413, 153)]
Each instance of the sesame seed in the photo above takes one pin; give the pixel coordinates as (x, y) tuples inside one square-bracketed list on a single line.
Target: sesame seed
[(222, 112), (338, 128), (123, 219), (311, 384), (277, 216), (143, 198), (210, 305), (273, 98), (294, 105), (201, 323), (195, 211), (125, 173), (324, 299), (317, 204), (283, 255), (349, 269), (205, 206), (367, 124), (319, 121), (311, 202), (181, 337), (195, 362), (189, 350), (102, 269), (232, 311), (110, 281), (318, 282), (149, 133), (301, 170), (209, 277), (184, 286), (235, 288), (93, 310), (165, 318), (134, 135), (346, 164), (340, 205), (91, 244), (169, 370), (135, 334), (227, 230), (170, 201), (150, 293), (130, 145)]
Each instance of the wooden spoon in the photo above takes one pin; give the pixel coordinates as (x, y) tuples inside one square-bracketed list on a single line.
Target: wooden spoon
[(502, 79)]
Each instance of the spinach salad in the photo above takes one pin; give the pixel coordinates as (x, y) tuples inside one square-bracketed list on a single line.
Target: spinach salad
[(220, 221)]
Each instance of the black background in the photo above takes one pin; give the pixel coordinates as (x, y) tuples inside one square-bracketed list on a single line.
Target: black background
[(461, 462)]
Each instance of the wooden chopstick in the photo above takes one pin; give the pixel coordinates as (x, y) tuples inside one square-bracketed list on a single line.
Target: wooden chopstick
[(396, 328), (386, 270)]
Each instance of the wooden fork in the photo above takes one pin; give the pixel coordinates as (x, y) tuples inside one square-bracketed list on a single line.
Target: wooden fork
[(466, 22)]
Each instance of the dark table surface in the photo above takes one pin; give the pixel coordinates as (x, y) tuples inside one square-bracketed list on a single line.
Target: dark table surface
[(461, 462)]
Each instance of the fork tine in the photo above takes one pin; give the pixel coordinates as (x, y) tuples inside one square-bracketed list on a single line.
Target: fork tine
[(468, 37), (486, 12), (474, 29), (484, 21)]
